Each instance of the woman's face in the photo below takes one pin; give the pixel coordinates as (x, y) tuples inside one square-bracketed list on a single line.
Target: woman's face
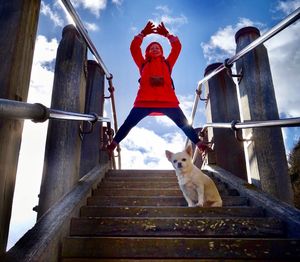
[(155, 50)]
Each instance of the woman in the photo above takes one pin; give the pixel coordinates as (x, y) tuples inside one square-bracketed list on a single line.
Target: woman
[(156, 95)]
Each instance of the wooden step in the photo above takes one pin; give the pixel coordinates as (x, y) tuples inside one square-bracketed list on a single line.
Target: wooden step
[(152, 247), (145, 184), (103, 211), (142, 216), (102, 191), (141, 173), (156, 201), (139, 184), (165, 260), (148, 174), (137, 192), (140, 179), (146, 179), (176, 227)]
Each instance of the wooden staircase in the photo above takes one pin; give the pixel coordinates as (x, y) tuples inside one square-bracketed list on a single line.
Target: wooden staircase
[(139, 215)]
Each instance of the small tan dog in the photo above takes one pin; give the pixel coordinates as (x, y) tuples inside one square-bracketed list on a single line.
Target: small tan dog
[(198, 189)]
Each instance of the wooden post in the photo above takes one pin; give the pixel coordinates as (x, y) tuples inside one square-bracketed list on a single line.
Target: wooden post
[(94, 103), (222, 106), (18, 28), (265, 155), (63, 144)]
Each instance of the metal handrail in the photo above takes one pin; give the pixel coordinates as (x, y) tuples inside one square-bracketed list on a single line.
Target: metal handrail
[(85, 35), (236, 125), (11, 109), (294, 16), (92, 48)]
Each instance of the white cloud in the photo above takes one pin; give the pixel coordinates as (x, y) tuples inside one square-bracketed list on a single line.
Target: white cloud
[(30, 168), (52, 14), (222, 44), (138, 154), (33, 142), (91, 26), (186, 104), (94, 6), (45, 51), (288, 6), (173, 23), (42, 75), (284, 55), (117, 2), (163, 8)]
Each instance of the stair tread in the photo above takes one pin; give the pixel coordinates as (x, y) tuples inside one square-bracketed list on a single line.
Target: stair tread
[(141, 215), (151, 192), (156, 201), (182, 211), (144, 184), (162, 260), (168, 226), (151, 247), (140, 172)]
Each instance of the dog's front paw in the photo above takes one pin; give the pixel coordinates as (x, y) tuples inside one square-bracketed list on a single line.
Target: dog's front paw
[(199, 204)]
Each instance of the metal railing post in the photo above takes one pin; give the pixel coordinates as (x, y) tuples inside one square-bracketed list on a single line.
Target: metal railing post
[(265, 155), (19, 20), (63, 144)]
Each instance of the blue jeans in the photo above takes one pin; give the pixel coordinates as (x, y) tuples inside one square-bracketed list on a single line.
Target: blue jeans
[(138, 113)]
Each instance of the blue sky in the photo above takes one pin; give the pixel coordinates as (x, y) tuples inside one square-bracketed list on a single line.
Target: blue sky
[(206, 30)]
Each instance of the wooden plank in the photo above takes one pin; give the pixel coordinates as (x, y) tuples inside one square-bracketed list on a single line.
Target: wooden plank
[(151, 192), (187, 227), (161, 260), (140, 172), (145, 184), (156, 201), (138, 184), (126, 247), (140, 179), (137, 192), (95, 211)]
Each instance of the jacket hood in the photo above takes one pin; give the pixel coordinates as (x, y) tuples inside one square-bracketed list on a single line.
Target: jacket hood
[(147, 55)]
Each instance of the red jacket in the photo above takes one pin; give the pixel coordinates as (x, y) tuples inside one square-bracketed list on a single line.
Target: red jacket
[(149, 95)]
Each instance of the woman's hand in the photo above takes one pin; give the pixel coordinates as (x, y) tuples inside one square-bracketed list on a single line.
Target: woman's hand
[(149, 29), (162, 30)]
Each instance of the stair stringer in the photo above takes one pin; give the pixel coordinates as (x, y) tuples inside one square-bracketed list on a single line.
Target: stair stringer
[(43, 241), (272, 206)]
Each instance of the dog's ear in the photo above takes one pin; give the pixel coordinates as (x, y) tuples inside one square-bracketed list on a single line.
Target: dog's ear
[(189, 150), (169, 155)]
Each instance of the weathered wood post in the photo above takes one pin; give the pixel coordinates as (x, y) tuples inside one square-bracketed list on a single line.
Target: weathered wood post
[(222, 106), (19, 20), (63, 144), (90, 149), (266, 159)]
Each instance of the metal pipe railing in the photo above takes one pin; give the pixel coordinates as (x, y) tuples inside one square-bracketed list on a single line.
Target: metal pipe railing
[(294, 16), (85, 35), (235, 125), (92, 48), (11, 109)]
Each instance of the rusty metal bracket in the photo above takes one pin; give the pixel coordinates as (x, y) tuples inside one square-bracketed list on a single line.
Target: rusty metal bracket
[(90, 128), (111, 88), (228, 67), (199, 93), (238, 132)]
